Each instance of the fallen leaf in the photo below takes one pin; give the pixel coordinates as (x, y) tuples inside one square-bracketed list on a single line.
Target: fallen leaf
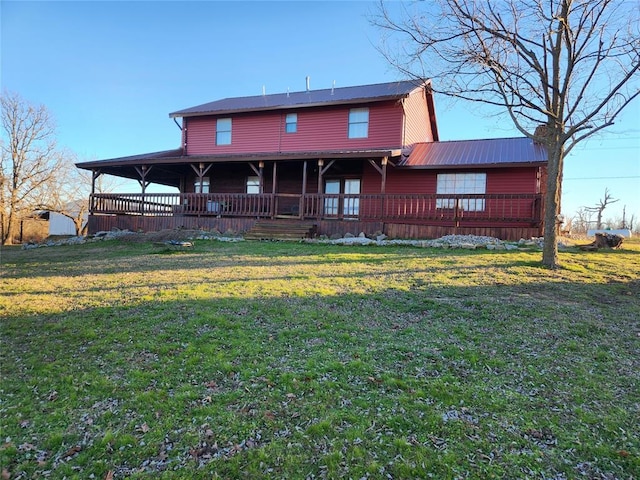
[(5, 474), (72, 451), (144, 428), (109, 475)]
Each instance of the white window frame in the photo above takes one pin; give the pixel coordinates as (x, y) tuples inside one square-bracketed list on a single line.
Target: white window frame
[(253, 185), (359, 123), (223, 131), (291, 123), (201, 188), (462, 184)]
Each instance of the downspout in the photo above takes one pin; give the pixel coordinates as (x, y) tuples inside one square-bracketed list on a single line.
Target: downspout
[(404, 123)]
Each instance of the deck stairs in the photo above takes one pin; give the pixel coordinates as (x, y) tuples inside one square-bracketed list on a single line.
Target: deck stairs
[(281, 230)]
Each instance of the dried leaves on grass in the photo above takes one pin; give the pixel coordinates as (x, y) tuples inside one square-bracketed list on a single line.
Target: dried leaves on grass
[(303, 361)]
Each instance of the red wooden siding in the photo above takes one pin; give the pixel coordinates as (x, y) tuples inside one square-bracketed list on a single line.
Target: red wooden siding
[(318, 129), (410, 181), (512, 180), (417, 127), (499, 180)]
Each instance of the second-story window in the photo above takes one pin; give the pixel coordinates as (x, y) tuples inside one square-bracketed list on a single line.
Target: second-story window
[(291, 123), (359, 123), (223, 131)]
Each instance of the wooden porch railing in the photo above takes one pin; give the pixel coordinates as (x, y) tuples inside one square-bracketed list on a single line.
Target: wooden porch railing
[(377, 207)]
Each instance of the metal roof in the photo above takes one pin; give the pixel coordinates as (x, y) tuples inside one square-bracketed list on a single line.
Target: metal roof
[(165, 164), (310, 98), (496, 152)]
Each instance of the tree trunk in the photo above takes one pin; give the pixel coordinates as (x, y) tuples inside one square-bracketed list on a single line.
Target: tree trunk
[(552, 205), (8, 233)]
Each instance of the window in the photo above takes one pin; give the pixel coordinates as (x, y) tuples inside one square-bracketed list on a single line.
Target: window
[(461, 184), (351, 206), (343, 196), (291, 123), (201, 187), (359, 123), (223, 131), (253, 185), (331, 187)]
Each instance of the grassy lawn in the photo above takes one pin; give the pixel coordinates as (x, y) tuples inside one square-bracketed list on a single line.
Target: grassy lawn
[(286, 360)]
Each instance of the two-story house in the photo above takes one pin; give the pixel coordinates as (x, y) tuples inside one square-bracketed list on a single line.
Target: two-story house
[(354, 159)]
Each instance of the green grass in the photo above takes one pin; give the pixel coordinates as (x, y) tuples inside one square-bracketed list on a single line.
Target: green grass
[(286, 360)]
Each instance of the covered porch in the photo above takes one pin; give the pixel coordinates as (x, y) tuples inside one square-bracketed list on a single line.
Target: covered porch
[(505, 216), (339, 192)]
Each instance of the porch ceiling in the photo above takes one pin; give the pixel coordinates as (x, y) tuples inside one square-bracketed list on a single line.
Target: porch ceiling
[(169, 165)]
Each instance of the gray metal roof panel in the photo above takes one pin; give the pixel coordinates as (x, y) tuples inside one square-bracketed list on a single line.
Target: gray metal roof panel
[(475, 153), (330, 96)]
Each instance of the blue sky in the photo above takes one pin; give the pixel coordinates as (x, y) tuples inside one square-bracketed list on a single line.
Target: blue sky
[(111, 72)]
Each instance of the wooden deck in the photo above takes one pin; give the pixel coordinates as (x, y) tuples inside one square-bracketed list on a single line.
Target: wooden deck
[(506, 216)]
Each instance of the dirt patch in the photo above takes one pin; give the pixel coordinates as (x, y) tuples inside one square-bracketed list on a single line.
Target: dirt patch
[(162, 236)]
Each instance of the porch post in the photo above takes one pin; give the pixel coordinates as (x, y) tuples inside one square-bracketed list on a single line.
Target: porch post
[(383, 186), (258, 171), (274, 202), (320, 196), (304, 191), (201, 171), (94, 176), (260, 177), (382, 170), (143, 171)]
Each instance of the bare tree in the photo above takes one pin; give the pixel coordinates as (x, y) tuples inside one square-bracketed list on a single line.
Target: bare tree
[(624, 223), (581, 220), (66, 194), (599, 208), (29, 160), (68, 191), (570, 66)]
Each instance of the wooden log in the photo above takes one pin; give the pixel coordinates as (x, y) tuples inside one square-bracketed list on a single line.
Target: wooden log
[(608, 240), (603, 240)]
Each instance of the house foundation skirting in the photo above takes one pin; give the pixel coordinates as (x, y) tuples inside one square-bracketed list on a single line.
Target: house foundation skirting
[(241, 225)]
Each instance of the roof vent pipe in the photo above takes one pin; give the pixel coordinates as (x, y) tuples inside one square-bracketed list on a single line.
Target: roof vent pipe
[(333, 87), (308, 83)]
